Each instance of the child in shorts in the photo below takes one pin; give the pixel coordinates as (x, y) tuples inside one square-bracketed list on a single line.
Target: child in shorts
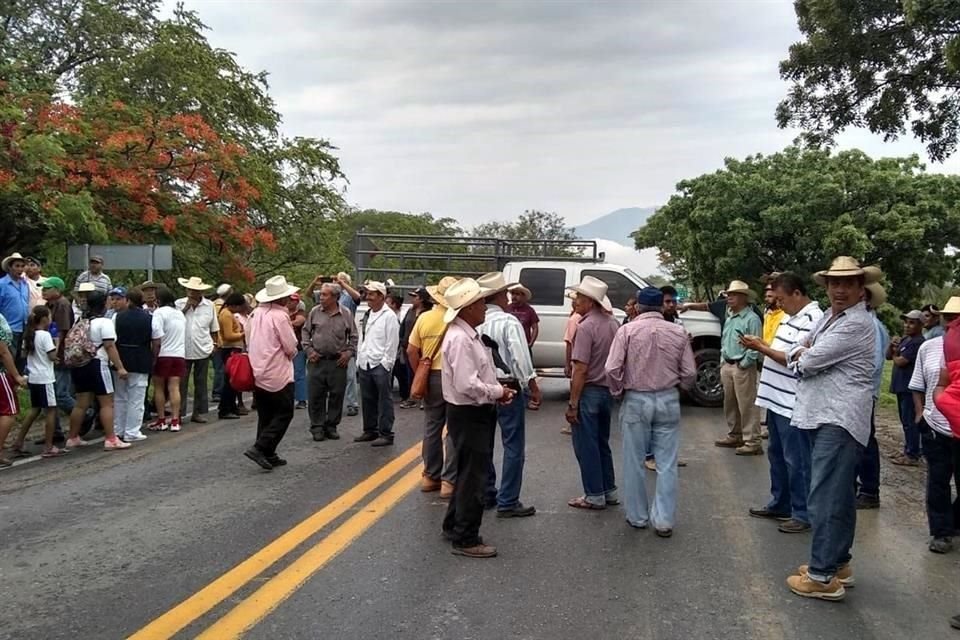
[(41, 355)]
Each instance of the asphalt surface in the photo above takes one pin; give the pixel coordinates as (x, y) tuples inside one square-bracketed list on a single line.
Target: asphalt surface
[(98, 545)]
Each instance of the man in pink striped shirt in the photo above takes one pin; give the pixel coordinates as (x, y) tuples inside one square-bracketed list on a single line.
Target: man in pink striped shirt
[(272, 347), (649, 360)]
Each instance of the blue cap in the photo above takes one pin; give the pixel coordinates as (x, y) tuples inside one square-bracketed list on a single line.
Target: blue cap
[(650, 297), (118, 291)]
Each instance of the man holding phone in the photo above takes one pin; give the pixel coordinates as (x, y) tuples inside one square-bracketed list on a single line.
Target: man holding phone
[(738, 373)]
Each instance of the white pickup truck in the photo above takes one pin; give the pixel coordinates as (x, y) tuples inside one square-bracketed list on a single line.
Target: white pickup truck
[(422, 260)]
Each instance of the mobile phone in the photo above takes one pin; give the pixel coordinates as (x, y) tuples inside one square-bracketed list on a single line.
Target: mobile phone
[(326, 279), (739, 333)]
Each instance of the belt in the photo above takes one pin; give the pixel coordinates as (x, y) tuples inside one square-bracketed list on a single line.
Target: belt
[(335, 356), (731, 361), (510, 383)]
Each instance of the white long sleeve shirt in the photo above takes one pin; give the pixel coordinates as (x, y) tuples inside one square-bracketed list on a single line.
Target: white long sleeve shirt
[(379, 340)]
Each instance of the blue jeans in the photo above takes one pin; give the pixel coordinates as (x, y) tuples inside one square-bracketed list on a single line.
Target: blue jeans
[(218, 360), (63, 389), (868, 468), (788, 450), (512, 419), (908, 420), (832, 502), (650, 421), (350, 397), (300, 377), (591, 444)]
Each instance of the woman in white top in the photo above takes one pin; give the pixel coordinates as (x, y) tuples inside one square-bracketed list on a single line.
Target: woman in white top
[(170, 327), (41, 356), (93, 378)]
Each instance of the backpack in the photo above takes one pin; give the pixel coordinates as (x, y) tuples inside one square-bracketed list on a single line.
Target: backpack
[(78, 348)]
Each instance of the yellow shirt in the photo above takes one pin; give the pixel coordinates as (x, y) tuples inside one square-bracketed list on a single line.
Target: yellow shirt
[(771, 321), (428, 333)]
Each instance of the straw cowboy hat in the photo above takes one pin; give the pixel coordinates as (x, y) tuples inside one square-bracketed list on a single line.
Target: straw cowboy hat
[(85, 287), (461, 295), (846, 267), (194, 283), (373, 285), (495, 282), (522, 289), (878, 295), (739, 286), (952, 306), (10, 258), (276, 288), (438, 290), (595, 289)]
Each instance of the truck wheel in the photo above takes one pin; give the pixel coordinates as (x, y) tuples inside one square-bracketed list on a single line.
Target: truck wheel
[(708, 390)]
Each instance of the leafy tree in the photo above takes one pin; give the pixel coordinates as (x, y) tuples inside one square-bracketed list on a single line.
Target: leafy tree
[(878, 64), (532, 225), (798, 209)]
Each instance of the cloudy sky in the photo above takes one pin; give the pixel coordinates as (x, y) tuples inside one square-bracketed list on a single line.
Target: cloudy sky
[(479, 110)]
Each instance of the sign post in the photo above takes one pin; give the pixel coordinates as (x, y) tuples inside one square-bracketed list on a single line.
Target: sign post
[(150, 257)]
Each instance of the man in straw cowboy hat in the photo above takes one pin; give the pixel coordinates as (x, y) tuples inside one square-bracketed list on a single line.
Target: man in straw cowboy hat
[(834, 402), (650, 359), (903, 351), (507, 332), (379, 342), (200, 339), (521, 308), (15, 303), (738, 372), (868, 469), (940, 448), (590, 403), (424, 343), (472, 392), (271, 347)]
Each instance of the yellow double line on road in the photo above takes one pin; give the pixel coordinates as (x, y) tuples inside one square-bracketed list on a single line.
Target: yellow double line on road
[(252, 609)]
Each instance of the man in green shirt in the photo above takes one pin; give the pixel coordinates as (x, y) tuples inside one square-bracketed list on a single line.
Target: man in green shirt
[(738, 373)]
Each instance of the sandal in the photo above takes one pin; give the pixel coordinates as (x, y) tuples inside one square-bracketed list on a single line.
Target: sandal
[(533, 406), (583, 503), (20, 452)]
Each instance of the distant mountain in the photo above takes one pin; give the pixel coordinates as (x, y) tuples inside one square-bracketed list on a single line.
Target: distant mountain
[(616, 226)]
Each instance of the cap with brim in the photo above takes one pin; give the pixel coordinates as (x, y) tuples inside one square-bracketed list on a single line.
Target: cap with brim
[(10, 258), (878, 295), (223, 289), (649, 297), (53, 282), (914, 314), (194, 283), (461, 295), (96, 259), (148, 284), (420, 292), (118, 291), (438, 290), (952, 307), (496, 283), (373, 285), (847, 267), (32, 260), (276, 288)]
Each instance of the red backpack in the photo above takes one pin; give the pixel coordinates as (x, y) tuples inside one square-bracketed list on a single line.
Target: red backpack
[(240, 372)]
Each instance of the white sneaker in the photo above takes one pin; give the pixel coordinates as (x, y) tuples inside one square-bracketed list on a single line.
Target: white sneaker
[(73, 443), (116, 443), (135, 438)]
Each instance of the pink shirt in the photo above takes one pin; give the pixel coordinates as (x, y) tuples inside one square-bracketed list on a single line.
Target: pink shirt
[(271, 346), (571, 331), (650, 354), (468, 374)]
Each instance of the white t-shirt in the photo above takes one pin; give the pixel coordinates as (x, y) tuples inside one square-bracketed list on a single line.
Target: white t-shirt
[(170, 326), (39, 365), (102, 329)]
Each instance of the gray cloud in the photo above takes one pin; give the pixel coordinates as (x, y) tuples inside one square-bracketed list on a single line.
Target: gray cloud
[(479, 110)]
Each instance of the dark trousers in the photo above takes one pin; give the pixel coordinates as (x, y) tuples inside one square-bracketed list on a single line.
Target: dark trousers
[(402, 373), (908, 420), (472, 431), (375, 396), (943, 466), (19, 356), (868, 467), (274, 413), (201, 399), (326, 387), (228, 397), (219, 361), (435, 466)]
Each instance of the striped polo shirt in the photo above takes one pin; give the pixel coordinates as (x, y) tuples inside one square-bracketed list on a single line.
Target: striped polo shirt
[(778, 384), (926, 375)]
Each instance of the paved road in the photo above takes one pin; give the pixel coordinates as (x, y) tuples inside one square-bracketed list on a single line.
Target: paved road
[(107, 545)]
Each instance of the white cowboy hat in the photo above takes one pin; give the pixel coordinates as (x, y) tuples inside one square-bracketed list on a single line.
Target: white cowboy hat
[(460, 295), (437, 291), (85, 287), (224, 289), (952, 306), (10, 258), (521, 289), (194, 283), (606, 304), (593, 288), (845, 267), (373, 285), (495, 282), (276, 288), (739, 286), (878, 295)]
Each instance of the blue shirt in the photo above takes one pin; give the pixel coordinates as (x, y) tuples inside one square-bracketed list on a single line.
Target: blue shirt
[(900, 379), (14, 302), (346, 300), (882, 341)]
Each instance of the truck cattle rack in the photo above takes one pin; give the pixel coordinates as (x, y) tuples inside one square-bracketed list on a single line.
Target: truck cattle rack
[(412, 261)]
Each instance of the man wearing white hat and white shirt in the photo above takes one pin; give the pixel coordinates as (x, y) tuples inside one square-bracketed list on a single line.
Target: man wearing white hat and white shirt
[(201, 339), (271, 347), (834, 403), (738, 373), (379, 343), (223, 291), (591, 403), (472, 392)]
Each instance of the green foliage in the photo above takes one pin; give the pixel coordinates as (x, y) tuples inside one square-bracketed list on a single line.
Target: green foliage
[(879, 64), (531, 225), (798, 209)]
